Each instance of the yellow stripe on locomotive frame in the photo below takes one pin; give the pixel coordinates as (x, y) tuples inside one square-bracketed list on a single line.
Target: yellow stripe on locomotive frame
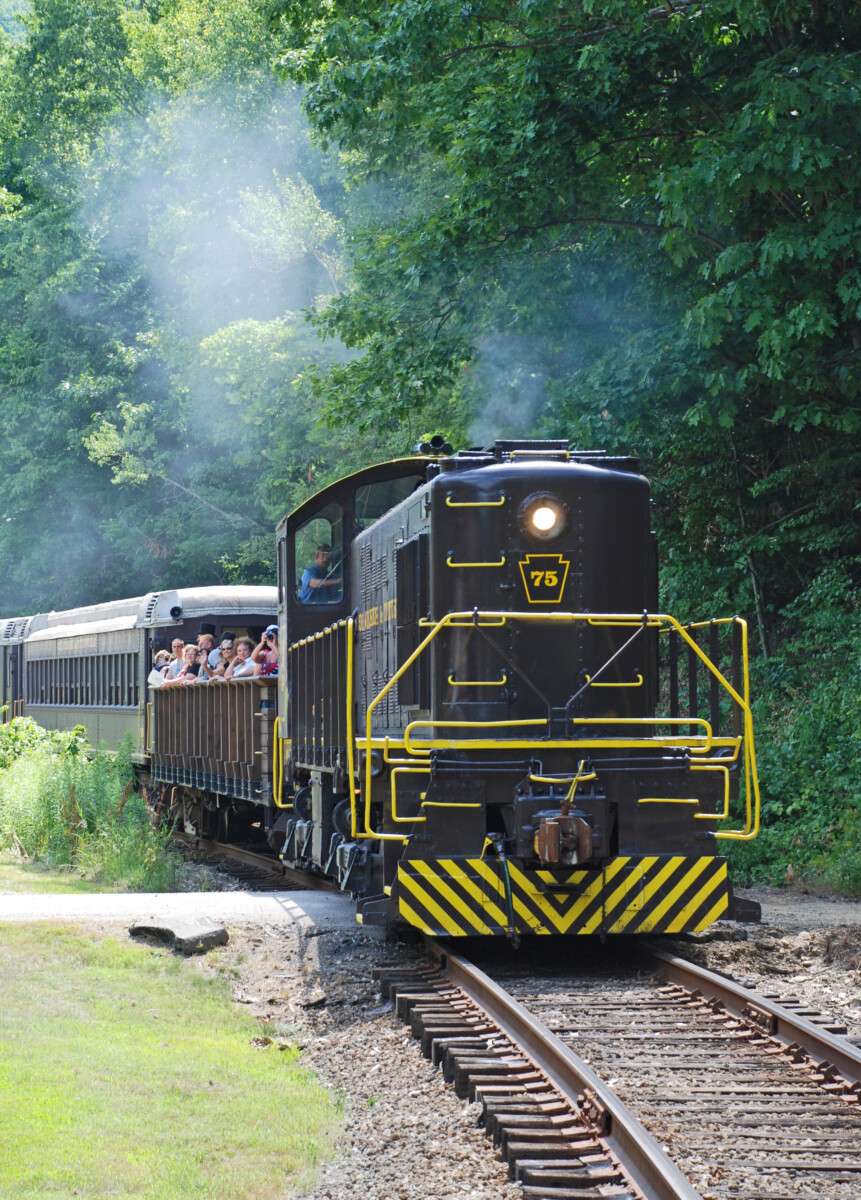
[(460, 897)]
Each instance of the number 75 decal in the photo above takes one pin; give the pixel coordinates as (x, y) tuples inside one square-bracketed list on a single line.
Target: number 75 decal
[(544, 577)]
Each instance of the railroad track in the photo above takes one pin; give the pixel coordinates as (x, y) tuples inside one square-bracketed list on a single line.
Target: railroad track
[(694, 1086), (260, 872)]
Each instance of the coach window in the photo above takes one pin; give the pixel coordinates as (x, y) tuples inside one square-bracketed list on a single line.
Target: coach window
[(319, 562)]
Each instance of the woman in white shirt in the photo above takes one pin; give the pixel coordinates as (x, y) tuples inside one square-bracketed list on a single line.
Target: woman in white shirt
[(243, 665)]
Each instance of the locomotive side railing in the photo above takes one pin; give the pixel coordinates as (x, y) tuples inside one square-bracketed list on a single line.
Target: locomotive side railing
[(709, 749), (318, 696), (216, 736)]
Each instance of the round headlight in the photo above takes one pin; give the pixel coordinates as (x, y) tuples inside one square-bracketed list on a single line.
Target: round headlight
[(543, 517)]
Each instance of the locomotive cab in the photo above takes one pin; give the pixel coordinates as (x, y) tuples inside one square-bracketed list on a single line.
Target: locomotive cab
[(320, 584)]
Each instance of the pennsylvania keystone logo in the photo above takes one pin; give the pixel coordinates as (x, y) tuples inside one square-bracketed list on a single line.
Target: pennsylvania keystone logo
[(544, 577)]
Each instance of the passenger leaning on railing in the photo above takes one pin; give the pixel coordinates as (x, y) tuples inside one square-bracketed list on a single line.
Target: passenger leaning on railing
[(226, 656), (188, 672), (206, 641), (243, 665), (161, 662), (176, 661)]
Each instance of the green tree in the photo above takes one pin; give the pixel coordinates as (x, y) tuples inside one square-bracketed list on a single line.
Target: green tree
[(654, 210), (164, 223), (12, 13)]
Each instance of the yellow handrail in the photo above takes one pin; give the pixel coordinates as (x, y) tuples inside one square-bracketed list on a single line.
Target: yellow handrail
[(699, 744), (501, 563), (276, 793), (579, 778), (478, 682), (278, 767), (405, 771), (663, 622), (351, 749), (667, 800), (449, 804), (715, 816), (638, 682), (475, 503), (312, 637)]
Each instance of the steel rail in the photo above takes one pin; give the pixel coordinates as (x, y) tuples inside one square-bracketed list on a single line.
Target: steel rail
[(302, 879), (638, 1153), (768, 1016)]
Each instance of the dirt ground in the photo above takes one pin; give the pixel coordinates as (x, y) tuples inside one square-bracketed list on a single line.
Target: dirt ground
[(805, 945), (801, 939), (404, 1132)]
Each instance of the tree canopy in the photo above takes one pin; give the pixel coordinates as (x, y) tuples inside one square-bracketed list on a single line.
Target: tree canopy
[(165, 223), (634, 224)]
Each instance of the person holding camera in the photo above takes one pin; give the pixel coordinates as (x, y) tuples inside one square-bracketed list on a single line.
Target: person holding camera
[(265, 653)]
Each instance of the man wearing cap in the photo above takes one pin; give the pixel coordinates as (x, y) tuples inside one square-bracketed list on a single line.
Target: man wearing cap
[(266, 651)]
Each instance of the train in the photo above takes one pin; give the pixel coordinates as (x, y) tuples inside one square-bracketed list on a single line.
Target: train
[(482, 724)]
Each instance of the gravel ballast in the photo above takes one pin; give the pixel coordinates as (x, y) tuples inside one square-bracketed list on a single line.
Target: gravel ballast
[(406, 1136)]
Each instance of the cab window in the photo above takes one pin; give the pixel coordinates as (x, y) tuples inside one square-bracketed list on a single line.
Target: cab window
[(374, 499), (319, 564)]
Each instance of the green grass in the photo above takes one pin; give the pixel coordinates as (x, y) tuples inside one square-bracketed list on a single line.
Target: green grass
[(37, 877), (127, 1072)]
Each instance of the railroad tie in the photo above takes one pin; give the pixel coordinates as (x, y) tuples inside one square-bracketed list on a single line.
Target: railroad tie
[(542, 1136)]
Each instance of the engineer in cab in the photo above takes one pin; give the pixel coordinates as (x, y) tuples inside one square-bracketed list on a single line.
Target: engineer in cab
[(320, 584)]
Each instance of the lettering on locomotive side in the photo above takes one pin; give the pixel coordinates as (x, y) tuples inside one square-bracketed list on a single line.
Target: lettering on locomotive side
[(378, 614), (544, 577)]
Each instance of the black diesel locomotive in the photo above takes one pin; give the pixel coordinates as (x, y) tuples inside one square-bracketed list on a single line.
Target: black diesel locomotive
[(486, 727)]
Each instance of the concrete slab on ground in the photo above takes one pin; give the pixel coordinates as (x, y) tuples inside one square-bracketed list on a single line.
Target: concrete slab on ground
[(193, 935), (321, 910)]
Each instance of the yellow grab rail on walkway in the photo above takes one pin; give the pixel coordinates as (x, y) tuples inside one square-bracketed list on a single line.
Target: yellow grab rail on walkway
[(700, 744)]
